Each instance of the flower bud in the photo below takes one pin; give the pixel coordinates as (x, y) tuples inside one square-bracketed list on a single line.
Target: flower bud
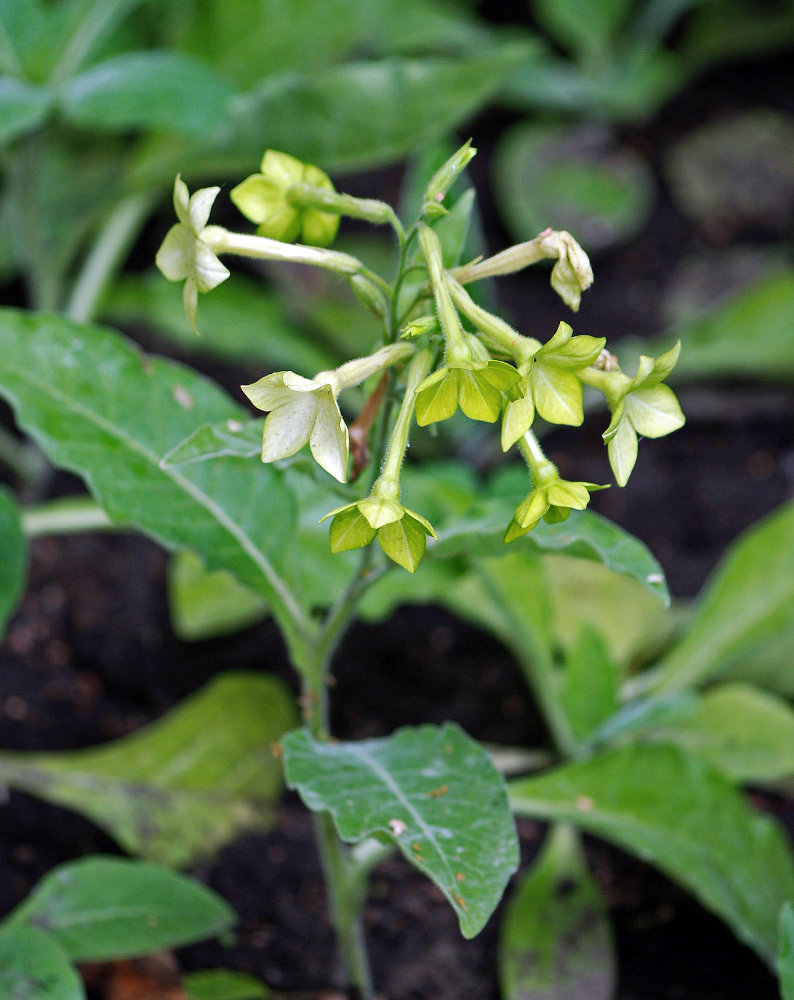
[(443, 179)]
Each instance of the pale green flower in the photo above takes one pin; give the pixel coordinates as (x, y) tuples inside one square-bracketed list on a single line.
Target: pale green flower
[(641, 405), (550, 384), (263, 198), (401, 533), (479, 388), (183, 255), (552, 499), (302, 411)]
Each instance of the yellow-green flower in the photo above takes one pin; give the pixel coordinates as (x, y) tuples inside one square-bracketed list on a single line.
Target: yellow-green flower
[(552, 499), (550, 383), (302, 411), (641, 405), (401, 533), (264, 199), (183, 255), (479, 388)]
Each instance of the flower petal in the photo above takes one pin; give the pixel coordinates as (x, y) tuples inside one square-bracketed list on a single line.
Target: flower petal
[(181, 201), (531, 509), (557, 394), (175, 256), (517, 420), (210, 272), (329, 439), (424, 523), (654, 411), (287, 428), (437, 397), (380, 512), (200, 206), (566, 494), (478, 399), (270, 391), (622, 451)]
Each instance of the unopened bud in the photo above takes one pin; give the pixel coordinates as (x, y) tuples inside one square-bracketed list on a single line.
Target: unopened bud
[(443, 179), (420, 326)]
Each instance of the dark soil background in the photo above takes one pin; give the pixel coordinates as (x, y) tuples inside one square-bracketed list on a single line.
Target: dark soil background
[(90, 655)]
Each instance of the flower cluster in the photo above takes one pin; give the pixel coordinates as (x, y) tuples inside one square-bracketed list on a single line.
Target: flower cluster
[(439, 353)]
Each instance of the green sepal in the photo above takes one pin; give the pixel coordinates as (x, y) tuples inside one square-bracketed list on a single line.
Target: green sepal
[(404, 541), (349, 530)]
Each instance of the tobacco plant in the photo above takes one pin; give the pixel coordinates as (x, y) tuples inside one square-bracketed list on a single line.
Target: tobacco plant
[(346, 527)]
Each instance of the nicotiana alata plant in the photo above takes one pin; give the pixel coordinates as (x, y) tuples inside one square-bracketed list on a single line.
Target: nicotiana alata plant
[(317, 536), (432, 792)]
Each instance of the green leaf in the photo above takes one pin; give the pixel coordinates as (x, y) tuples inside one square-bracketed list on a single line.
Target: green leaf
[(629, 618), (13, 557), (157, 90), (23, 107), (590, 681), (223, 984), (555, 941), (785, 965), (584, 534), (573, 179), (748, 602), (181, 787), (241, 321), (232, 438), (716, 343), (433, 791), (351, 116), (581, 26), (737, 863), (33, 966), (101, 908), (741, 731), (205, 605), (100, 408)]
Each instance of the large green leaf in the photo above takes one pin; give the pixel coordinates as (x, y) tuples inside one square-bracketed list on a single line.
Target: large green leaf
[(744, 732), (33, 966), (13, 557), (585, 535), (351, 116), (241, 321), (573, 179), (205, 604), (589, 685), (748, 602), (163, 90), (580, 25), (433, 791), (22, 107), (737, 863), (100, 908), (716, 344), (183, 786), (555, 941), (785, 964), (100, 408)]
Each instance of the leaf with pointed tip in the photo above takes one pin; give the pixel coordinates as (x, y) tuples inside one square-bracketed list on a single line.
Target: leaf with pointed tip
[(102, 907), (23, 107), (433, 791), (205, 604), (13, 557), (736, 862), (236, 438), (147, 90), (747, 603), (33, 966), (743, 732), (100, 408), (185, 785), (555, 941)]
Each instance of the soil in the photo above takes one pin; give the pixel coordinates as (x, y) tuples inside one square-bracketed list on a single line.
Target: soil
[(90, 655)]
